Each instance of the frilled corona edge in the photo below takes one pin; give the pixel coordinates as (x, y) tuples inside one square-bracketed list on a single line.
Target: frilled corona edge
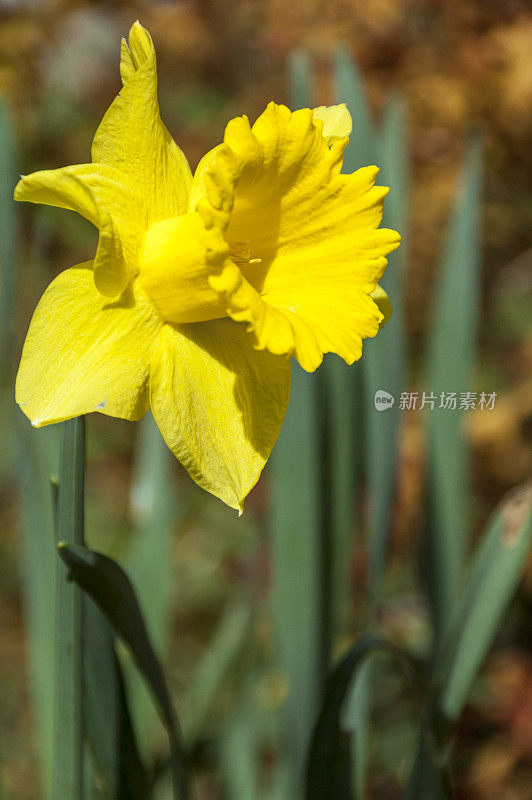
[(202, 288), (312, 249)]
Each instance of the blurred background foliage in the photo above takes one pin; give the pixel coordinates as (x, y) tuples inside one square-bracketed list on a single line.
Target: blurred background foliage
[(216, 592)]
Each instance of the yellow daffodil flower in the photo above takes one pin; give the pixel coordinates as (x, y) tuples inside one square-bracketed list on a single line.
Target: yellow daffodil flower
[(203, 287)]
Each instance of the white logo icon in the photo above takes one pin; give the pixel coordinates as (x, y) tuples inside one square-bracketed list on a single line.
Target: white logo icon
[(383, 400)]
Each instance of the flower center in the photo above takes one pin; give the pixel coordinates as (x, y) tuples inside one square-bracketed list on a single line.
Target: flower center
[(240, 253), (177, 257)]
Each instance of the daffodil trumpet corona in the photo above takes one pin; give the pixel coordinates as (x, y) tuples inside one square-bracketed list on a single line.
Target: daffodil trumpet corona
[(203, 287)]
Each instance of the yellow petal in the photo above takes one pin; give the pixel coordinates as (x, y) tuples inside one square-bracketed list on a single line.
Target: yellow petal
[(219, 404), (337, 122), (383, 301), (99, 193), (127, 65), (85, 353), (132, 137), (139, 50), (315, 249)]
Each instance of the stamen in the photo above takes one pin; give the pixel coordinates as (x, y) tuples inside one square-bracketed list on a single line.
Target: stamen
[(240, 253)]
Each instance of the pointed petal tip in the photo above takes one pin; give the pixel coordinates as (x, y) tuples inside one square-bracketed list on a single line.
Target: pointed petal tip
[(18, 190)]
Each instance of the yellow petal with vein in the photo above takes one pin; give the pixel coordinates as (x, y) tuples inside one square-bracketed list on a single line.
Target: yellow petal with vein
[(219, 404), (132, 137), (99, 193), (85, 353)]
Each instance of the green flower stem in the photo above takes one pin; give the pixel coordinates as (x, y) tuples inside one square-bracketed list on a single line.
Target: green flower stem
[(68, 781)]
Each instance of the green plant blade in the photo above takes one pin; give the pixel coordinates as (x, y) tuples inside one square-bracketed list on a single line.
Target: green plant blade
[(101, 697), (338, 482), (449, 369), (383, 359), (36, 458), (384, 356), (116, 760), (301, 80), (329, 758), (110, 588), (427, 779), (221, 654), (68, 769), (240, 747), (358, 722), (296, 553), (8, 243), (153, 508), (492, 580), (364, 144), (135, 782)]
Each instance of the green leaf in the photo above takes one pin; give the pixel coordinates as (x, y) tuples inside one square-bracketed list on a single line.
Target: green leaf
[(240, 748), (154, 507), (228, 641), (135, 782), (110, 588), (338, 482), (427, 779), (301, 80), (121, 773), (101, 696), (36, 459), (384, 357), (357, 720), (329, 759), (295, 520), (492, 580), (450, 369), (364, 145), (8, 244)]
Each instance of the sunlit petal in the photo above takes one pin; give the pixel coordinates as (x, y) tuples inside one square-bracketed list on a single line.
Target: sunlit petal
[(97, 192), (86, 353), (315, 249), (219, 404), (132, 137)]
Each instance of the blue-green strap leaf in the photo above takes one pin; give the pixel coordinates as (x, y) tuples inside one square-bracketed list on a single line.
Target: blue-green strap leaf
[(110, 588), (428, 778), (329, 769), (109, 730), (492, 580), (450, 360)]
